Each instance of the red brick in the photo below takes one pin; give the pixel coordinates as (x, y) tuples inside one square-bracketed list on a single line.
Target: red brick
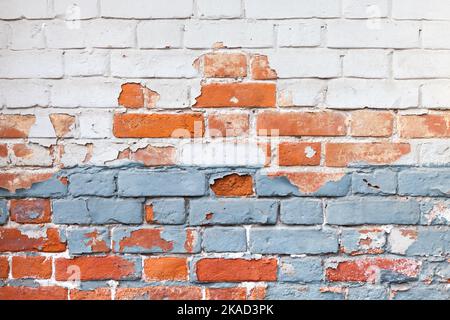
[(62, 123), (151, 156), (223, 65), (31, 211), (135, 95), (158, 125), (425, 126), (31, 267), (26, 293), (343, 154), (13, 181), (236, 270), (302, 123), (228, 125), (166, 268), (299, 154), (246, 95), (94, 268), (146, 238), (4, 268), (14, 240), (257, 293), (261, 69), (237, 293), (371, 123), (15, 125), (367, 270), (309, 182), (159, 293), (95, 294), (3, 150), (233, 185)]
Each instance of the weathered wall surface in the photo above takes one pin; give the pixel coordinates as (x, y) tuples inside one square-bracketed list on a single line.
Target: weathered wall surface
[(238, 149)]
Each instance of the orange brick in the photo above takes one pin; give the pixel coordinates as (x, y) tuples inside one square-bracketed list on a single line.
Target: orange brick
[(261, 69), (15, 125), (246, 95), (237, 293), (367, 270), (233, 185), (302, 123), (96, 294), (13, 181), (343, 154), (32, 211), (27, 293), (62, 123), (94, 268), (135, 96), (371, 124), (31, 267), (151, 156), (425, 126), (299, 153), (223, 65), (13, 240), (166, 268), (228, 125), (158, 125), (4, 268), (236, 270), (159, 293)]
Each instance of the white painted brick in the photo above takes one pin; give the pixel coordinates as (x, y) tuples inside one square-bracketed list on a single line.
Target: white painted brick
[(152, 64), (233, 34), (156, 34), (417, 64), (146, 9), (219, 9), (24, 93), (42, 127), (36, 156), (284, 9), (73, 154), (319, 63), (372, 34), (366, 64), (86, 63), (17, 9), (75, 9), (358, 93), (5, 31), (173, 94), (307, 34), (31, 64), (95, 125), (301, 93), (436, 35), (95, 34), (90, 92), (436, 94), (366, 8), (435, 153), (419, 9), (27, 35)]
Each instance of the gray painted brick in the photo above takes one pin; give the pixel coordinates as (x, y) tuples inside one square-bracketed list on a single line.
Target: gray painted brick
[(232, 211), (168, 211), (137, 184), (93, 184), (301, 211), (287, 291), (221, 239), (377, 182), (372, 211), (52, 187), (307, 269), (3, 211), (292, 241), (79, 240), (424, 183), (430, 241)]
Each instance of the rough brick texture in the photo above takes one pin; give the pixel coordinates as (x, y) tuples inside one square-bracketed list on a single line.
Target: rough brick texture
[(234, 149)]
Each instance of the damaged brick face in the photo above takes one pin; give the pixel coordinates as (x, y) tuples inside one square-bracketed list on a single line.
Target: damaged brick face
[(250, 151)]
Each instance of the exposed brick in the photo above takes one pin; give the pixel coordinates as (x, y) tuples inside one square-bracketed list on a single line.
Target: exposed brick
[(301, 124), (261, 69), (235, 293), (151, 156), (30, 293), (371, 124), (165, 268), (97, 268), (299, 154), (245, 95), (32, 184), (4, 268), (31, 211), (17, 240), (62, 123), (16, 126), (88, 240), (222, 65), (135, 96), (344, 154), (95, 294), (233, 185), (236, 270), (425, 126), (31, 267), (159, 293), (158, 125), (228, 125)]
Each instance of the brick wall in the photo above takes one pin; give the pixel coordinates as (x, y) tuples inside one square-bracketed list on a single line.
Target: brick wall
[(238, 149)]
